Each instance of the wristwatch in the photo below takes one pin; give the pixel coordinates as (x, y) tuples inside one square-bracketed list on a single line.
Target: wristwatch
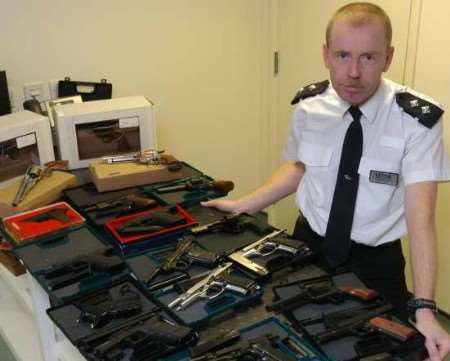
[(415, 304)]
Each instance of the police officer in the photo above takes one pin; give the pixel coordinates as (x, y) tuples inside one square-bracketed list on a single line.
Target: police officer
[(364, 156)]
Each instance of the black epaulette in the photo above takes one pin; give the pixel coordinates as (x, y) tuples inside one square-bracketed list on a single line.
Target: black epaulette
[(310, 91), (427, 113)]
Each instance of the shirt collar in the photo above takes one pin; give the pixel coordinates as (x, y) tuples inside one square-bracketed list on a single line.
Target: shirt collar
[(369, 108)]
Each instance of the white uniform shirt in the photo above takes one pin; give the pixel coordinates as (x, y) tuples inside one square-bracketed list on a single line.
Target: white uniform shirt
[(394, 142)]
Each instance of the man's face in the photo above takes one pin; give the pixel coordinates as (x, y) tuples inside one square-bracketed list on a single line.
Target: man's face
[(356, 57)]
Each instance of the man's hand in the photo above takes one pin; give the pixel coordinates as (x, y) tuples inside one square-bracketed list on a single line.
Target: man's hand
[(437, 340), (225, 205), (283, 182)]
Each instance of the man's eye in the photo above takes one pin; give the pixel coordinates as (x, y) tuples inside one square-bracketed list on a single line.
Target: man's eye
[(368, 58), (342, 55)]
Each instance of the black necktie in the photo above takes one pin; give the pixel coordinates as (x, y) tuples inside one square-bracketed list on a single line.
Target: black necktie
[(337, 243)]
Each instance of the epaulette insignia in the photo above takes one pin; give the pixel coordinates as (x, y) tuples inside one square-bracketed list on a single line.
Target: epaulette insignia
[(310, 91), (427, 113)]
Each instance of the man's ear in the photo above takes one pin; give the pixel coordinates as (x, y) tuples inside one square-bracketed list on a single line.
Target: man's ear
[(389, 57), (326, 55)]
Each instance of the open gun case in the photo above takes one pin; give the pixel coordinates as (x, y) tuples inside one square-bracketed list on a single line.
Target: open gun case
[(345, 323), (120, 322), (233, 343), (71, 262)]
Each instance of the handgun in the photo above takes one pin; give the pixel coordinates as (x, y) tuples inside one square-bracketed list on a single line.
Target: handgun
[(212, 286), (319, 290), (392, 328), (351, 324), (186, 253), (122, 205), (198, 183), (147, 156), (57, 214), (152, 336), (29, 180), (34, 174), (98, 314), (80, 267), (174, 261), (263, 247), (262, 348), (153, 222)]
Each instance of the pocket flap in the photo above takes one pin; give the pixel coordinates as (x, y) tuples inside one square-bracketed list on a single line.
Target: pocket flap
[(367, 164), (314, 154)]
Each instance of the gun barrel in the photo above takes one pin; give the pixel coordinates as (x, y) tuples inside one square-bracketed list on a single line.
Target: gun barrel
[(30, 178), (350, 324)]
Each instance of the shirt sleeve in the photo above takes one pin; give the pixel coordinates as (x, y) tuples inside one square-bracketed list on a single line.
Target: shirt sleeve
[(425, 156), (290, 151)]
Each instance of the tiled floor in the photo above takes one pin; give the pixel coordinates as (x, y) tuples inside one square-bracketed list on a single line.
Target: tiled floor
[(6, 355)]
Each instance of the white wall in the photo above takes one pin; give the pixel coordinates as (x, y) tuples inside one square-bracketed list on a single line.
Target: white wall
[(199, 61), (431, 76)]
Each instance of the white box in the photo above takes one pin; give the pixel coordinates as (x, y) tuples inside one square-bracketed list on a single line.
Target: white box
[(90, 130), (25, 138)]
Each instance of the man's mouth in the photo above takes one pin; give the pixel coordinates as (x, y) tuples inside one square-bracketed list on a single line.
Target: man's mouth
[(353, 88)]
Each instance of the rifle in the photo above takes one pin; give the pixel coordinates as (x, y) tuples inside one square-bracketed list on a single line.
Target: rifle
[(99, 312), (123, 205), (152, 335), (66, 273), (212, 286), (263, 348), (266, 246), (319, 290), (198, 183)]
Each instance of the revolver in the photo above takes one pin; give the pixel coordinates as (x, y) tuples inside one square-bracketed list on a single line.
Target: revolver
[(29, 180), (34, 174), (147, 156)]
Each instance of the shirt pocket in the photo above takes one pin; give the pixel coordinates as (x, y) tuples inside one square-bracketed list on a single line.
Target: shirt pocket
[(368, 164), (377, 199), (314, 155)]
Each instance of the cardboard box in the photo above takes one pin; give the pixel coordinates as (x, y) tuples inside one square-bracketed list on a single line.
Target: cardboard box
[(108, 177), (11, 263), (46, 191), (90, 130)]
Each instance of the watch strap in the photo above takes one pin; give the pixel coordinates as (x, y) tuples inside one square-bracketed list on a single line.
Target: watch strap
[(415, 304)]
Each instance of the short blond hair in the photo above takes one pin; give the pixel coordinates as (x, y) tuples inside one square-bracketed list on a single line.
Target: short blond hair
[(360, 13)]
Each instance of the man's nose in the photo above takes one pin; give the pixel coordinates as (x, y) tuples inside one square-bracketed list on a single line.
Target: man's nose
[(354, 70)]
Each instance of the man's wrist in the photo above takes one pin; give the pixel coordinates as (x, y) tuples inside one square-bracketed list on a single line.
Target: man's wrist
[(421, 308), (424, 313)]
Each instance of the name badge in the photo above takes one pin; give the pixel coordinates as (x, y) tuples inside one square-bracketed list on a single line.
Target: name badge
[(377, 176)]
